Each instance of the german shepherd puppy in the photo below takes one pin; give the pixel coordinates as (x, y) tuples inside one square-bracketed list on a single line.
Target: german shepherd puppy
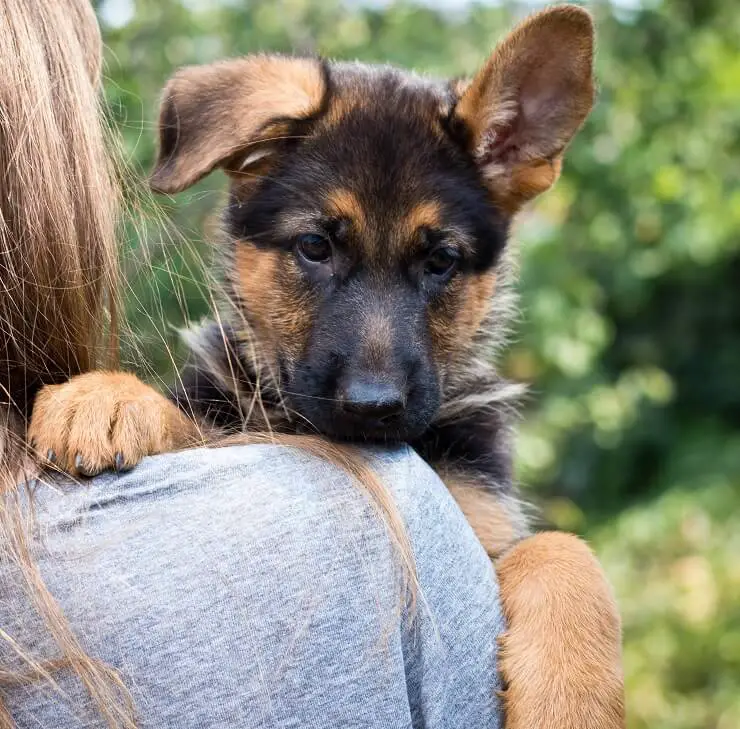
[(367, 263)]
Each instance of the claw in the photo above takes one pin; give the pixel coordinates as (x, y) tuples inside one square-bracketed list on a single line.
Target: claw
[(82, 469), (121, 465), (32, 444), (51, 456)]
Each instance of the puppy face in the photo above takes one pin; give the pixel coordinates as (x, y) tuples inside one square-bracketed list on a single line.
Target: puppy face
[(362, 254), (369, 208)]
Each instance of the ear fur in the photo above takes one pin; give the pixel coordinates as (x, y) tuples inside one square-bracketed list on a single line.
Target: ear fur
[(210, 115), (529, 100)]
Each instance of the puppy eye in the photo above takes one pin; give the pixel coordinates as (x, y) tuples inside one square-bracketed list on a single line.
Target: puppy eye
[(313, 248), (441, 263)]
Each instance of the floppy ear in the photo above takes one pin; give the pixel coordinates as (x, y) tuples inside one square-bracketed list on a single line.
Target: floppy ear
[(528, 101), (212, 115)]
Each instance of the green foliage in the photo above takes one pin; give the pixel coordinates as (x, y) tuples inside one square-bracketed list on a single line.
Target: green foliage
[(630, 333)]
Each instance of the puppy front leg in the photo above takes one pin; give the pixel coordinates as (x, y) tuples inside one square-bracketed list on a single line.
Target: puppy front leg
[(561, 656)]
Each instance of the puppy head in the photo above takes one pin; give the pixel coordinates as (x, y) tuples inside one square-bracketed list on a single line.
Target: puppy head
[(369, 207)]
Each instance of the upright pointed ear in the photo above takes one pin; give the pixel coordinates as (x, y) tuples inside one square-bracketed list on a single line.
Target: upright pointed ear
[(222, 114), (528, 101)]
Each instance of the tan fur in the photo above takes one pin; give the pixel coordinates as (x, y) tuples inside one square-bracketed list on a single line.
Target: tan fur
[(279, 310), (99, 415), (561, 655), (457, 316), (528, 181), (426, 214), (479, 290), (529, 100), (377, 340), (254, 272), (441, 321), (496, 527), (343, 203), (222, 109)]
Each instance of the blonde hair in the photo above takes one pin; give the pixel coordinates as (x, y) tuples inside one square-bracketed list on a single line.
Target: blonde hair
[(58, 211)]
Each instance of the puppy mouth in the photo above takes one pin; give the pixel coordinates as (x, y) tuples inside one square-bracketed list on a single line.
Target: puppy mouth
[(377, 431), (339, 425)]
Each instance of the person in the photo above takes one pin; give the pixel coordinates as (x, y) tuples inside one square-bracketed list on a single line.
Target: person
[(238, 586)]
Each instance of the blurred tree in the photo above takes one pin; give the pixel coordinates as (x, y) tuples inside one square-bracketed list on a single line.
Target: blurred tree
[(630, 333)]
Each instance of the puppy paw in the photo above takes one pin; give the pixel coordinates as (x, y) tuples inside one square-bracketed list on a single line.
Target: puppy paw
[(104, 420)]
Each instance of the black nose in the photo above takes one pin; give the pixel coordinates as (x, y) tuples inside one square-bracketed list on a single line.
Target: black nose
[(369, 399)]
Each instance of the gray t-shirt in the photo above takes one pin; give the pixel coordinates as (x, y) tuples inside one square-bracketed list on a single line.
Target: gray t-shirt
[(255, 586)]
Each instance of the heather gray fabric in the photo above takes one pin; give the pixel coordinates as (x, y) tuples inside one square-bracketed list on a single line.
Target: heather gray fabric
[(254, 586)]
